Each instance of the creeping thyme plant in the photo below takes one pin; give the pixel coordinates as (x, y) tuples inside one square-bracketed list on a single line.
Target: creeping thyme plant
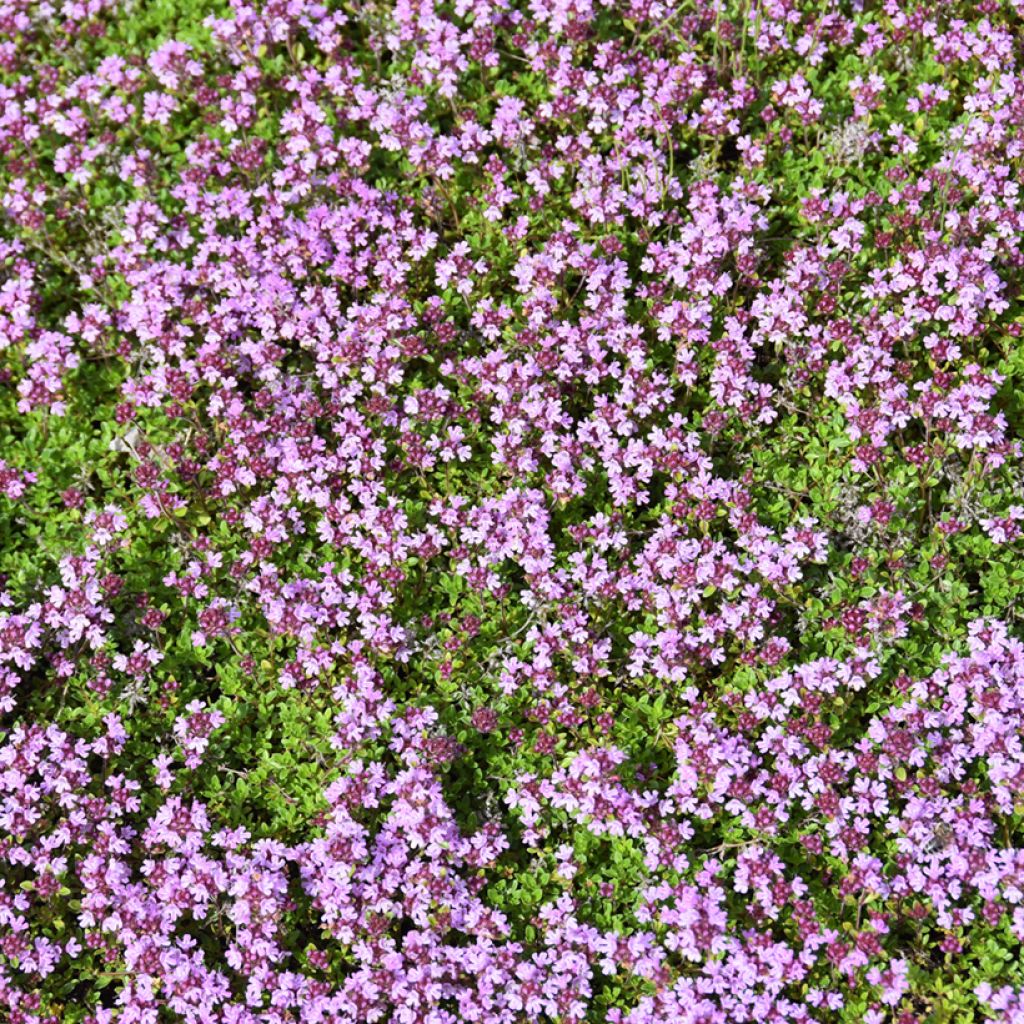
[(511, 511)]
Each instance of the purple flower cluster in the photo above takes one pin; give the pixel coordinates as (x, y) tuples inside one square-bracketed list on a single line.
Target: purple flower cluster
[(517, 573)]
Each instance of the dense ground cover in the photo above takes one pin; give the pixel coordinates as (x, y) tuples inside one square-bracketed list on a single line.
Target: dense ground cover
[(511, 512)]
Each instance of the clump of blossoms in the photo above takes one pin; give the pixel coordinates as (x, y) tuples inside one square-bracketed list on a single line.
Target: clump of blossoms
[(511, 512)]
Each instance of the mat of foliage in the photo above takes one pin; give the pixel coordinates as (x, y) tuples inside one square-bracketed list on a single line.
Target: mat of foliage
[(511, 511)]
